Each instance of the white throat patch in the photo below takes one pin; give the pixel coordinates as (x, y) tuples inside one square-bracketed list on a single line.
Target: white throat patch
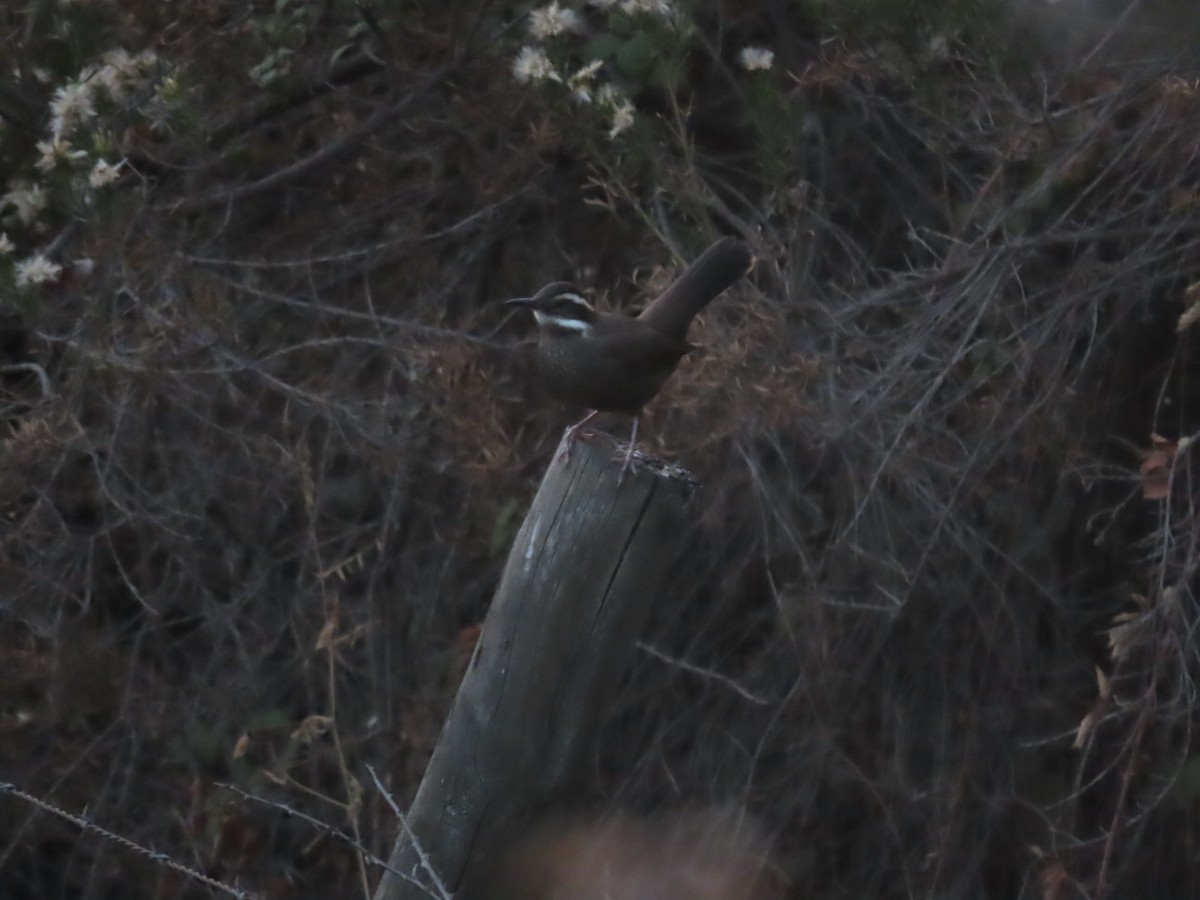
[(575, 325)]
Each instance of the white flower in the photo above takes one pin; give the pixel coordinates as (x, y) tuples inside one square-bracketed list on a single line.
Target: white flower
[(118, 72), (552, 20), (610, 96), (6, 245), (121, 61), (662, 7), (622, 118), (753, 58), (169, 90), (578, 83), (72, 105), (55, 151), (588, 72), (532, 64), (36, 270), (28, 199), (105, 173)]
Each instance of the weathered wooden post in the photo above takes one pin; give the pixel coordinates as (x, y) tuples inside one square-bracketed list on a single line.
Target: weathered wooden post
[(587, 564)]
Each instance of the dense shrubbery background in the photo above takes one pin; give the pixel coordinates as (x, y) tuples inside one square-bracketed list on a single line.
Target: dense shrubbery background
[(267, 433)]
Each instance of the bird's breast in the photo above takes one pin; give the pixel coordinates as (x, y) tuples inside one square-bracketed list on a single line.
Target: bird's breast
[(617, 370)]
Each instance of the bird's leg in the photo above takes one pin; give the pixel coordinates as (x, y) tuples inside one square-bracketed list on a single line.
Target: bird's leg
[(629, 452), (570, 435)]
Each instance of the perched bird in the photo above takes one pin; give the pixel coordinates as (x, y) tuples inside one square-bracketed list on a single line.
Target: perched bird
[(615, 363)]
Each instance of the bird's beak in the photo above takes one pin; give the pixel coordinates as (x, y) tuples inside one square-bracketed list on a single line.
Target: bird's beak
[(519, 301)]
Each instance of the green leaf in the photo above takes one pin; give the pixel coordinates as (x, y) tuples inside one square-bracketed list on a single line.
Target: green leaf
[(602, 46), (504, 528), (636, 57), (268, 719)]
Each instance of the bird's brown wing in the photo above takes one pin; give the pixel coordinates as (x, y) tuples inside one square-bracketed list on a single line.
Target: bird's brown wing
[(638, 363), (640, 349), (620, 371)]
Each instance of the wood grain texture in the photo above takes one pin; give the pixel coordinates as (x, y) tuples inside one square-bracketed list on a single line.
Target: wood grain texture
[(587, 563)]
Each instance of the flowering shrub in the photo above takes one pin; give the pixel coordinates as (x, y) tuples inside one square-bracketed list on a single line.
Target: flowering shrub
[(59, 177), (639, 42)]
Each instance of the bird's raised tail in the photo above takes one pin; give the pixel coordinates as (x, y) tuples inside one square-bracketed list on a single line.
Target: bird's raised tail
[(716, 269)]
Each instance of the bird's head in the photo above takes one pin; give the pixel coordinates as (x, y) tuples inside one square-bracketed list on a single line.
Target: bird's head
[(559, 308)]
